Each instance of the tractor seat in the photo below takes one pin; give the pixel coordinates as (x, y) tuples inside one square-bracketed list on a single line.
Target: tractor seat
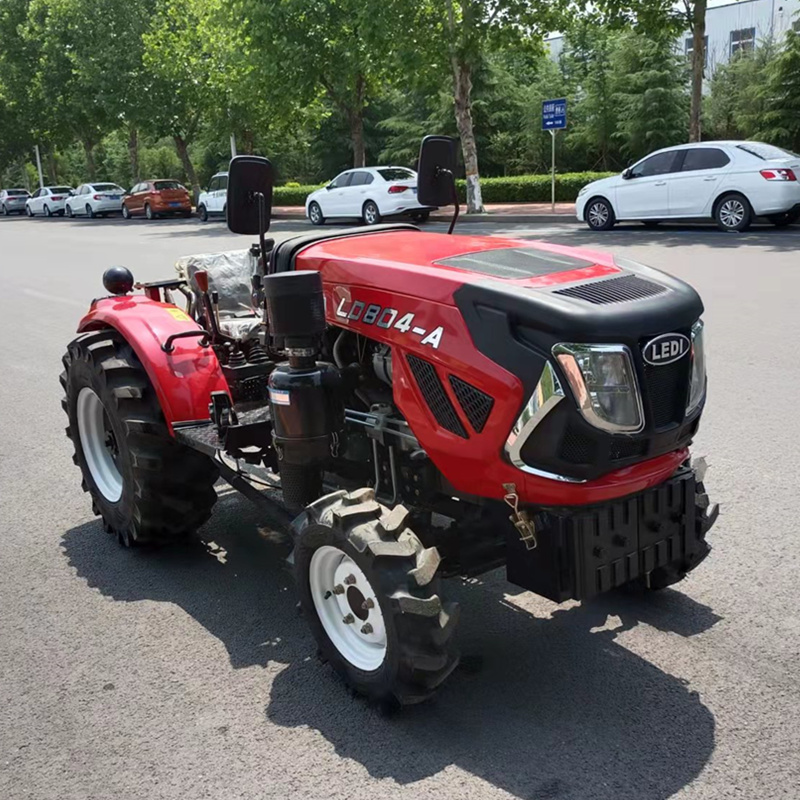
[(230, 275)]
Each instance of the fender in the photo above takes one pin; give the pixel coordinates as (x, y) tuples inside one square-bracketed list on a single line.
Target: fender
[(183, 379)]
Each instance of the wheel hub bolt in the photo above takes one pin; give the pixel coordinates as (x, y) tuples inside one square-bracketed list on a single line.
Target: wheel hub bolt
[(367, 628), (350, 580), (368, 604), (349, 619), (338, 589)]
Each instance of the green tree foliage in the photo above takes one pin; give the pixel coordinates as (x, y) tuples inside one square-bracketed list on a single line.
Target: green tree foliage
[(781, 121)]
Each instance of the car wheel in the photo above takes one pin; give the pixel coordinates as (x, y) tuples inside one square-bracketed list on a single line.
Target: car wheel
[(787, 218), (90, 212), (370, 213), (5, 210), (315, 214), (126, 214), (202, 212), (70, 213), (421, 216), (148, 212), (29, 211), (47, 211), (599, 215), (733, 213)]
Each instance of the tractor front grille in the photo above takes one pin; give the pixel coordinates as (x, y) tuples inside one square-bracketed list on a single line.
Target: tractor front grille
[(435, 395), (667, 388)]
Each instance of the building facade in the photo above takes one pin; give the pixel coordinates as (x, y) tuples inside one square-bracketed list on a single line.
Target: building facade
[(730, 27)]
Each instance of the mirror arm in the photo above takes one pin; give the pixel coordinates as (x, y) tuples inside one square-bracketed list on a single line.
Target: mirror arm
[(449, 174)]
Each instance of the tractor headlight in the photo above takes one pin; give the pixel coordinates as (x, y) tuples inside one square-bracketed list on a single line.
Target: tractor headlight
[(603, 381), (698, 385)]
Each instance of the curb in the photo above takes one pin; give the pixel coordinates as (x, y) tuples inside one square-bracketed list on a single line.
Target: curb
[(466, 219)]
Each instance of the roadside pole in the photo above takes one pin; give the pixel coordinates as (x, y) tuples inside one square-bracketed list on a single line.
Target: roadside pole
[(553, 173), (233, 145), (554, 119), (39, 167)]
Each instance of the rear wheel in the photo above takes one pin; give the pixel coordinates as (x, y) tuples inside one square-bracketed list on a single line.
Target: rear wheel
[(144, 484), (148, 212), (90, 212), (787, 218), (599, 215), (733, 213), (47, 211), (315, 214), (202, 212), (370, 214), (5, 210), (370, 593)]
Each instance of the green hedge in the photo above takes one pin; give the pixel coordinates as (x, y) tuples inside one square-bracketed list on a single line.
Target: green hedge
[(533, 188), (516, 189), (291, 195)]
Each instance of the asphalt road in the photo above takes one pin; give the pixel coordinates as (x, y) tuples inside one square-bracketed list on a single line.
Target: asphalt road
[(188, 674)]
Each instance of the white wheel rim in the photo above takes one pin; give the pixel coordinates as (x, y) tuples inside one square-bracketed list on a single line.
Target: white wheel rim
[(598, 214), (370, 214), (315, 213), (340, 591), (96, 447), (731, 213)]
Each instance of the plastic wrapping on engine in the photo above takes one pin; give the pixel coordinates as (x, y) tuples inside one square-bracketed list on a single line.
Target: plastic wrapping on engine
[(230, 275)]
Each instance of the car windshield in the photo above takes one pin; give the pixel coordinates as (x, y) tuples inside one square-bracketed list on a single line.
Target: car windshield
[(396, 174), (16, 192), (106, 187), (161, 185), (767, 152), (60, 189)]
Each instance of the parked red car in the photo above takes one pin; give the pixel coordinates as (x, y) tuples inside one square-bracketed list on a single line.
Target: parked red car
[(157, 198)]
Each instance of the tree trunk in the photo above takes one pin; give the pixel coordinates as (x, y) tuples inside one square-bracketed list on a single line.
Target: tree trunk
[(357, 137), (462, 97), (51, 167), (91, 168), (133, 153), (183, 153), (698, 65)]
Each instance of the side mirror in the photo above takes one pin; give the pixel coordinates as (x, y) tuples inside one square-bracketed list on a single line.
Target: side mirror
[(626, 173), (436, 174), (249, 196)]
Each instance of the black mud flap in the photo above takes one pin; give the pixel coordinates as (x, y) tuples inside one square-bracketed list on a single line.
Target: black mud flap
[(585, 551)]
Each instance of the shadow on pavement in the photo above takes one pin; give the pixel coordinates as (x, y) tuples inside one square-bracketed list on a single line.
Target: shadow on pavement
[(551, 710)]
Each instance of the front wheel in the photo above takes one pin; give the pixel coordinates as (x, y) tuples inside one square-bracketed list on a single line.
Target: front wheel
[(5, 210), (29, 211), (733, 213), (315, 214), (202, 212), (785, 219), (144, 484), (599, 215), (370, 593), (370, 214), (126, 214), (70, 212)]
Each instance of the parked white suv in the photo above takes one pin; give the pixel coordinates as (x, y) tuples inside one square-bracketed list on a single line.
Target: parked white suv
[(730, 182), (368, 194), (212, 201)]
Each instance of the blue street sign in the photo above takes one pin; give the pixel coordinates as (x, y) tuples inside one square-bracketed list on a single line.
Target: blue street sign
[(554, 114)]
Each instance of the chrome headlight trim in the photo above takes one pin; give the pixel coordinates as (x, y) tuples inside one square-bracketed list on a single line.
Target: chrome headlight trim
[(697, 388), (565, 355), (546, 396)]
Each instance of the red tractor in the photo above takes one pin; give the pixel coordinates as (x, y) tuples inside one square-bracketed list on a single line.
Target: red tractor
[(412, 406)]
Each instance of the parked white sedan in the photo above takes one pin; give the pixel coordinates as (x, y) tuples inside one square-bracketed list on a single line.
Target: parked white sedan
[(95, 199), (730, 182), (48, 200), (12, 201), (368, 194)]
